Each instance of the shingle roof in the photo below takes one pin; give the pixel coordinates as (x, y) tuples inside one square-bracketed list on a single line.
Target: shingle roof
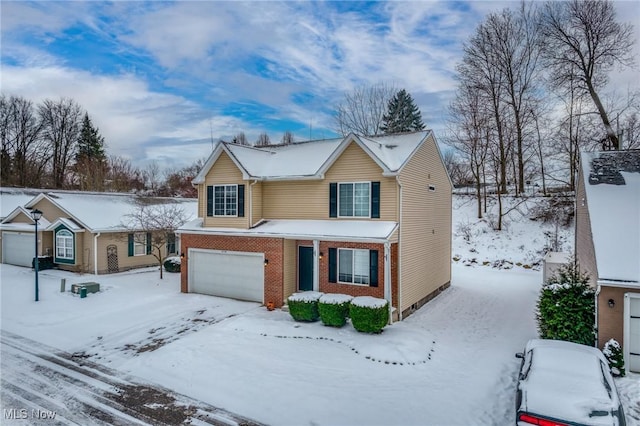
[(612, 185)]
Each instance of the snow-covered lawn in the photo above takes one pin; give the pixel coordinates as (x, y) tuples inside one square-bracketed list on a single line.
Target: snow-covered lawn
[(451, 363)]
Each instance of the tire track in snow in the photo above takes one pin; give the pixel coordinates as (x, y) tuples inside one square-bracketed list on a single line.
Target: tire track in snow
[(82, 392)]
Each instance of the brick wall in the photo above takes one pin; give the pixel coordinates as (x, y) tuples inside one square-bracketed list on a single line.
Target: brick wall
[(271, 247)]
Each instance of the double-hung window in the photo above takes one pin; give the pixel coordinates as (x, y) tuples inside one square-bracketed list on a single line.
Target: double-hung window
[(354, 199), (353, 266), (225, 200), (140, 244), (64, 244)]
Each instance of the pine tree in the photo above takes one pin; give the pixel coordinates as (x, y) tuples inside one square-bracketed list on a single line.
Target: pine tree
[(402, 115), (91, 160)]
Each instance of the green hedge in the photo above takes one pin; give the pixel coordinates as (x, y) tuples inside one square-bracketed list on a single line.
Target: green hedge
[(369, 314), (304, 306), (334, 309), (172, 264)]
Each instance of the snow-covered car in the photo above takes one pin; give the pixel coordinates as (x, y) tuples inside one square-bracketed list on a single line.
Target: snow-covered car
[(563, 383)]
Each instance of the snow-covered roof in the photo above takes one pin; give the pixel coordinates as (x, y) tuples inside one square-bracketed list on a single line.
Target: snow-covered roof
[(10, 198), (104, 211), (332, 230), (68, 223), (312, 159), (612, 185)]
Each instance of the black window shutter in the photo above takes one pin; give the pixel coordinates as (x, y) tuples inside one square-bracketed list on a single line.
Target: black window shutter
[(333, 265), (130, 244), (333, 199), (209, 200), (373, 268), (375, 200), (240, 200), (148, 242)]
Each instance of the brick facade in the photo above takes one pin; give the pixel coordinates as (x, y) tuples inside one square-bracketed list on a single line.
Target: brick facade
[(273, 249), (611, 320)]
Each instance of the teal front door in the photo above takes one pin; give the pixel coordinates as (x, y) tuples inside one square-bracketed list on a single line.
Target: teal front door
[(305, 268)]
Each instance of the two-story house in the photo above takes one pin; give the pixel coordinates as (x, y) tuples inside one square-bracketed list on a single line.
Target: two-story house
[(357, 215)]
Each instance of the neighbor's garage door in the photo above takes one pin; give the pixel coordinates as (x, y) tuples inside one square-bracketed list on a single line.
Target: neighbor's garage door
[(237, 275), (18, 248), (634, 334)]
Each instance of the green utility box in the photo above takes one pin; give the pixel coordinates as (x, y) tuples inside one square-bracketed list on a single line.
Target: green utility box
[(89, 287), (83, 292)]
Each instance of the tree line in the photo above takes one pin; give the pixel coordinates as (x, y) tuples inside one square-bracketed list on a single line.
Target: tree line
[(530, 96), (54, 144)]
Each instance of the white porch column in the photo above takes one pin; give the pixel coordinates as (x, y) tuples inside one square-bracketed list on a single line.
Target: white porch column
[(387, 278)]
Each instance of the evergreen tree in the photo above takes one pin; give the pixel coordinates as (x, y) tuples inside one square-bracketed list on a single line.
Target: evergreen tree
[(91, 160), (402, 115)]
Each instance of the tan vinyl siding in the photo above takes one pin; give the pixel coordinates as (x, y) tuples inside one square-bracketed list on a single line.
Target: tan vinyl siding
[(225, 172), (309, 199), (22, 218), (202, 197), (49, 211), (425, 235), (289, 265), (125, 262), (585, 252)]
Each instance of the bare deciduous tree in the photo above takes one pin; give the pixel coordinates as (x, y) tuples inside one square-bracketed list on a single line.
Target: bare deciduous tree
[(263, 140), (362, 110), (60, 129), (152, 224), (581, 41), (240, 139), (287, 138)]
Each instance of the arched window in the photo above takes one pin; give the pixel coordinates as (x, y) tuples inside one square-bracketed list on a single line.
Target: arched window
[(64, 244)]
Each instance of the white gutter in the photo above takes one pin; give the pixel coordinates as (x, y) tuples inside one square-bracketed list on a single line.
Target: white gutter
[(399, 249), (95, 253), (345, 238), (387, 279)]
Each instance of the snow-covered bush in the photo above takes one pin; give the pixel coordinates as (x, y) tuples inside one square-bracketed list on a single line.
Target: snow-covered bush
[(304, 306), (566, 307), (369, 314), (334, 309), (172, 264), (613, 352)]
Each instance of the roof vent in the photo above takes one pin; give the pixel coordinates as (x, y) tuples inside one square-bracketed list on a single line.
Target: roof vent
[(390, 146)]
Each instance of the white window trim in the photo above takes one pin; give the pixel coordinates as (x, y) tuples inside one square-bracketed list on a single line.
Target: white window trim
[(225, 203), (137, 243), (353, 200), (353, 267), (66, 238)]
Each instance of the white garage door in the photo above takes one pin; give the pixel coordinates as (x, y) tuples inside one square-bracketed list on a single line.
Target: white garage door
[(634, 334), (237, 275), (18, 248)]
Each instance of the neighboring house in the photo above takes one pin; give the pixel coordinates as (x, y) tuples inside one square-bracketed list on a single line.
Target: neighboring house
[(608, 244), (360, 216), (81, 231)]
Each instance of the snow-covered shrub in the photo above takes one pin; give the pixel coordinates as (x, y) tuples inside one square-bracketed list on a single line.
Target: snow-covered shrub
[(369, 314), (613, 352), (172, 264), (464, 229), (566, 307), (304, 306), (334, 309)]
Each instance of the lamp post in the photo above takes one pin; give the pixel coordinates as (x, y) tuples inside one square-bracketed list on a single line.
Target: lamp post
[(36, 215)]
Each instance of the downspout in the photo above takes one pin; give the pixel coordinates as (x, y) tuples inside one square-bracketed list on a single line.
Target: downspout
[(598, 289), (95, 253), (251, 202), (399, 248), (387, 278)]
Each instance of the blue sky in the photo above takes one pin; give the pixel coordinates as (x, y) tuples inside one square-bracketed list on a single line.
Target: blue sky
[(160, 79)]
